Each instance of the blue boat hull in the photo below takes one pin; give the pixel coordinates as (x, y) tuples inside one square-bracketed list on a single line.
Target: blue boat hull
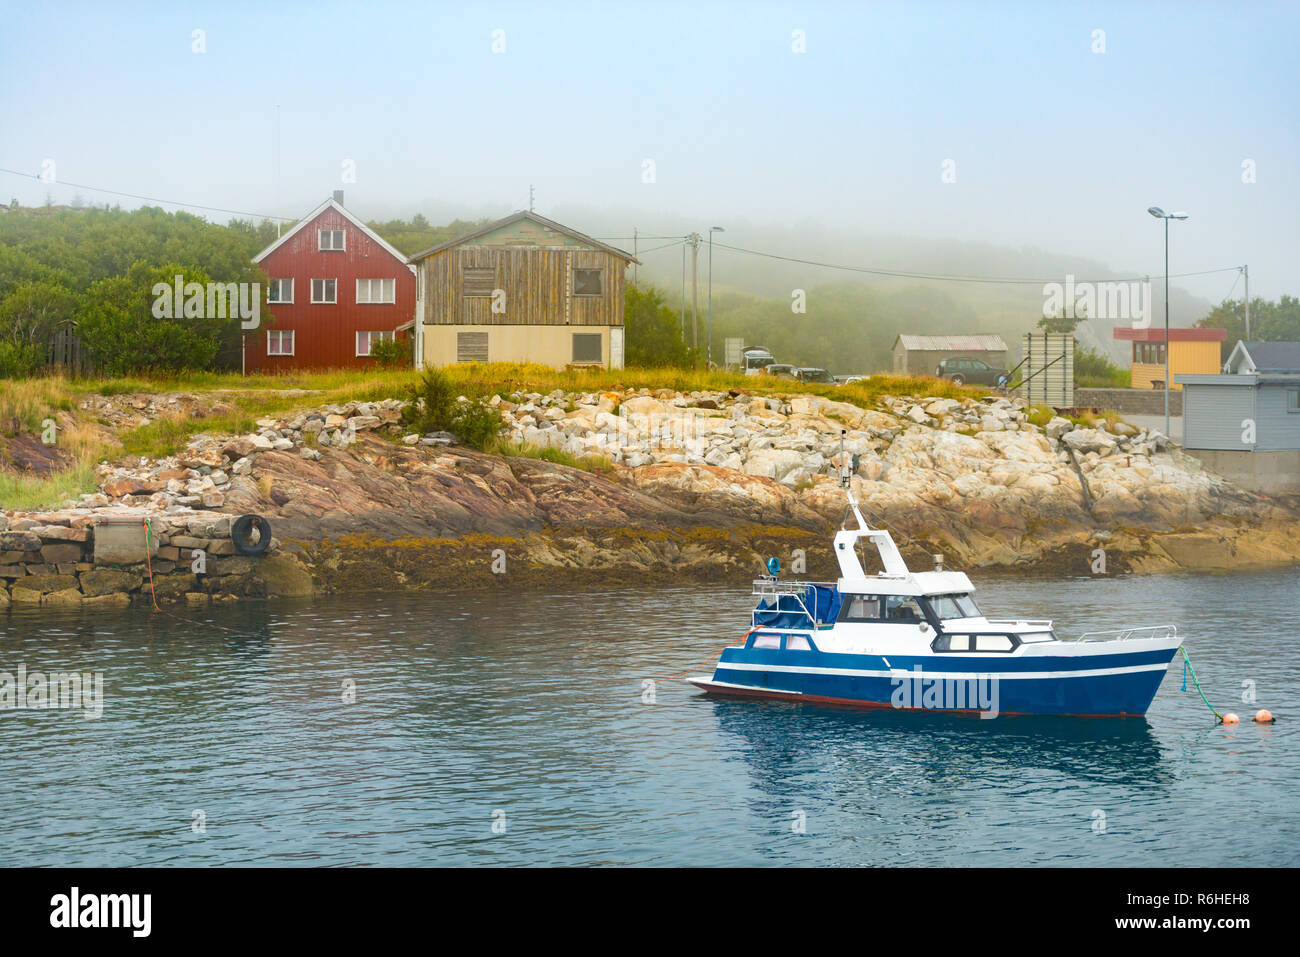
[(1111, 685)]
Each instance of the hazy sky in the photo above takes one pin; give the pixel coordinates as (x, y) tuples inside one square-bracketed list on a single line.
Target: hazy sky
[(1053, 145)]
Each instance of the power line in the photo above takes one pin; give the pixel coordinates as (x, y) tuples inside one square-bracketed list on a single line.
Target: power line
[(938, 277), (653, 249), (151, 199), (869, 270)]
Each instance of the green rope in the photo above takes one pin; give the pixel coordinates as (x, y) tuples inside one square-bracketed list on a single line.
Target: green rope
[(1187, 663)]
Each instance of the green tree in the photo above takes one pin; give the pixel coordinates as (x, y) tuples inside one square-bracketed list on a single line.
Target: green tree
[(1269, 321), (653, 331), (123, 336), (33, 310)]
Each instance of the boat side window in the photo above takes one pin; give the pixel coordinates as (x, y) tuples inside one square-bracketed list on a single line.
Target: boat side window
[(1029, 638), (797, 643), (947, 642), (895, 608), (767, 641), (860, 608), (902, 608), (953, 606)]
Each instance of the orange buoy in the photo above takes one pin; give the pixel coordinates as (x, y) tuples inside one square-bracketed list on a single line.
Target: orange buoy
[(1264, 716), (1230, 718)]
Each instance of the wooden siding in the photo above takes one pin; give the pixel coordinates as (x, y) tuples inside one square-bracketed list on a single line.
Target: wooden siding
[(325, 335), (537, 281), (1191, 358)]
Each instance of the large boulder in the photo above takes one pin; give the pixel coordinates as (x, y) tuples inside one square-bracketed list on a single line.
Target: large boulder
[(107, 581), (1089, 440), (772, 463)]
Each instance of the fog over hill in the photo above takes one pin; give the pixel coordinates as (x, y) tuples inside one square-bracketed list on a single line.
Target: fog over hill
[(1008, 309)]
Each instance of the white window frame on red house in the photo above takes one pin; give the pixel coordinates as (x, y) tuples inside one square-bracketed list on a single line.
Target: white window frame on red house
[(279, 342), (371, 340), (324, 302), (331, 248), (368, 301), (278, 285)]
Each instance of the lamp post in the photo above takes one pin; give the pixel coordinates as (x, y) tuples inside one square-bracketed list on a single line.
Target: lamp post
[(709, 334), (1159, 213)]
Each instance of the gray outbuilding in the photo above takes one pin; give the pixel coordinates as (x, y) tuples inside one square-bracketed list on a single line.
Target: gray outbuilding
[(1245, 423), (921, 355)]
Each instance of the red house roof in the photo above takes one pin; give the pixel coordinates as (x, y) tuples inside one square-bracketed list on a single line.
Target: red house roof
[(1129, 334)]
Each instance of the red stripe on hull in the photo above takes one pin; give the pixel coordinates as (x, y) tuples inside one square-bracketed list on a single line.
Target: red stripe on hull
[(876, 705)]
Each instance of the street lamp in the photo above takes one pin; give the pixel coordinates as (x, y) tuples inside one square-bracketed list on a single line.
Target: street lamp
[(1159, 213), (709, 333)]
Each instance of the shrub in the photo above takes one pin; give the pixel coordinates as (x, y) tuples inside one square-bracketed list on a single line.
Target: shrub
[(391, 353), (436, 407), (18, 361)]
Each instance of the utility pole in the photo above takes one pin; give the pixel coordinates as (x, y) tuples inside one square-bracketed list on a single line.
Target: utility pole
[(681, 316), (695, 293), (1245, 271), (634, 255)]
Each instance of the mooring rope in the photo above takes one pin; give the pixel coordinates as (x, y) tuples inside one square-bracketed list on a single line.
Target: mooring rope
[(148, 548), (1187, 666)]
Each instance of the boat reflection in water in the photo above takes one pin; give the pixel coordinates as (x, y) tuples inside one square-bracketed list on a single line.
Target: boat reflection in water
[(787, 745)]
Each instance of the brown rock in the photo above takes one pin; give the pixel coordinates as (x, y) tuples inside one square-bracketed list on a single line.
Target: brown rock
[(115, 599), (104, 581), (61, 533), (19, 541), (285, 575), (46, 584), (69, 552), (172, 586), (133, 487)]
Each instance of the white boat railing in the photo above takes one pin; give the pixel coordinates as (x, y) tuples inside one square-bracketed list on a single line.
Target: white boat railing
[(1132, 632), (774, 588)]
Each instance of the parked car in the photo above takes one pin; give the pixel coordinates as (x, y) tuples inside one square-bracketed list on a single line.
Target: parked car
[(820, 376), (846, 379), (756, 359), (961, 371), (781, 370)]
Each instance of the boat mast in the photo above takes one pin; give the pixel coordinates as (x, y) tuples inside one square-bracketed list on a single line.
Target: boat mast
[(846, 539)]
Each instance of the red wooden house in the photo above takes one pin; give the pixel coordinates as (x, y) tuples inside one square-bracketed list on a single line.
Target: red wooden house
[(335, 287)]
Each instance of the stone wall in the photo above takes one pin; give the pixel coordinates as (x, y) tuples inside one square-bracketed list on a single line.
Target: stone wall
[(54, 558), (1130, 401)]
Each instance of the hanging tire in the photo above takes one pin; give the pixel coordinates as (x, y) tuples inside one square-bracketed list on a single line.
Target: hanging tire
[(241, 533)]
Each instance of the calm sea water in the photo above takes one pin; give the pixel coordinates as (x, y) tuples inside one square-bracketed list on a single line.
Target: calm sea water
[(525, 709)]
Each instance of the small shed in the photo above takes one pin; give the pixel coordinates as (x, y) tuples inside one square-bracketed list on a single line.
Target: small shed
[(921, 355), (1245, 423), (1190, 351)]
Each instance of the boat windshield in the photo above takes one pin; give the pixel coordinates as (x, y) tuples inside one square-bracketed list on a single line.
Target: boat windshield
[(953, 606)]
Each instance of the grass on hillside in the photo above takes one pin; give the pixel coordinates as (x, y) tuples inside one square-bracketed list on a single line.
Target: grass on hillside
[(25, 405)]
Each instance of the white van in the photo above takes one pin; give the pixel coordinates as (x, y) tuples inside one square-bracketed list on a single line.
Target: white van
[(756, 359)]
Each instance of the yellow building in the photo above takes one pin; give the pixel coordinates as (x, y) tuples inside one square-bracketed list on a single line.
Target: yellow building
[(523, 289), (1190, 352)]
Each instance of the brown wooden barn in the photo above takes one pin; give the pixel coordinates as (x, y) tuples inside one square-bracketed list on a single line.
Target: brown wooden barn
[(522, 289)]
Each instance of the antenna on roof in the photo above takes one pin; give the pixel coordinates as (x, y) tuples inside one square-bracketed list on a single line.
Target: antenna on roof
[(530, 197)]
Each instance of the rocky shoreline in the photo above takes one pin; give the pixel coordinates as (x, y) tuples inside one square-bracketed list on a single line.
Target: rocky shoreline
[(690, 486)]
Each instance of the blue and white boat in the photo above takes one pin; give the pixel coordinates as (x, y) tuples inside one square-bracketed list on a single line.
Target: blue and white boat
[(916, 640)]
